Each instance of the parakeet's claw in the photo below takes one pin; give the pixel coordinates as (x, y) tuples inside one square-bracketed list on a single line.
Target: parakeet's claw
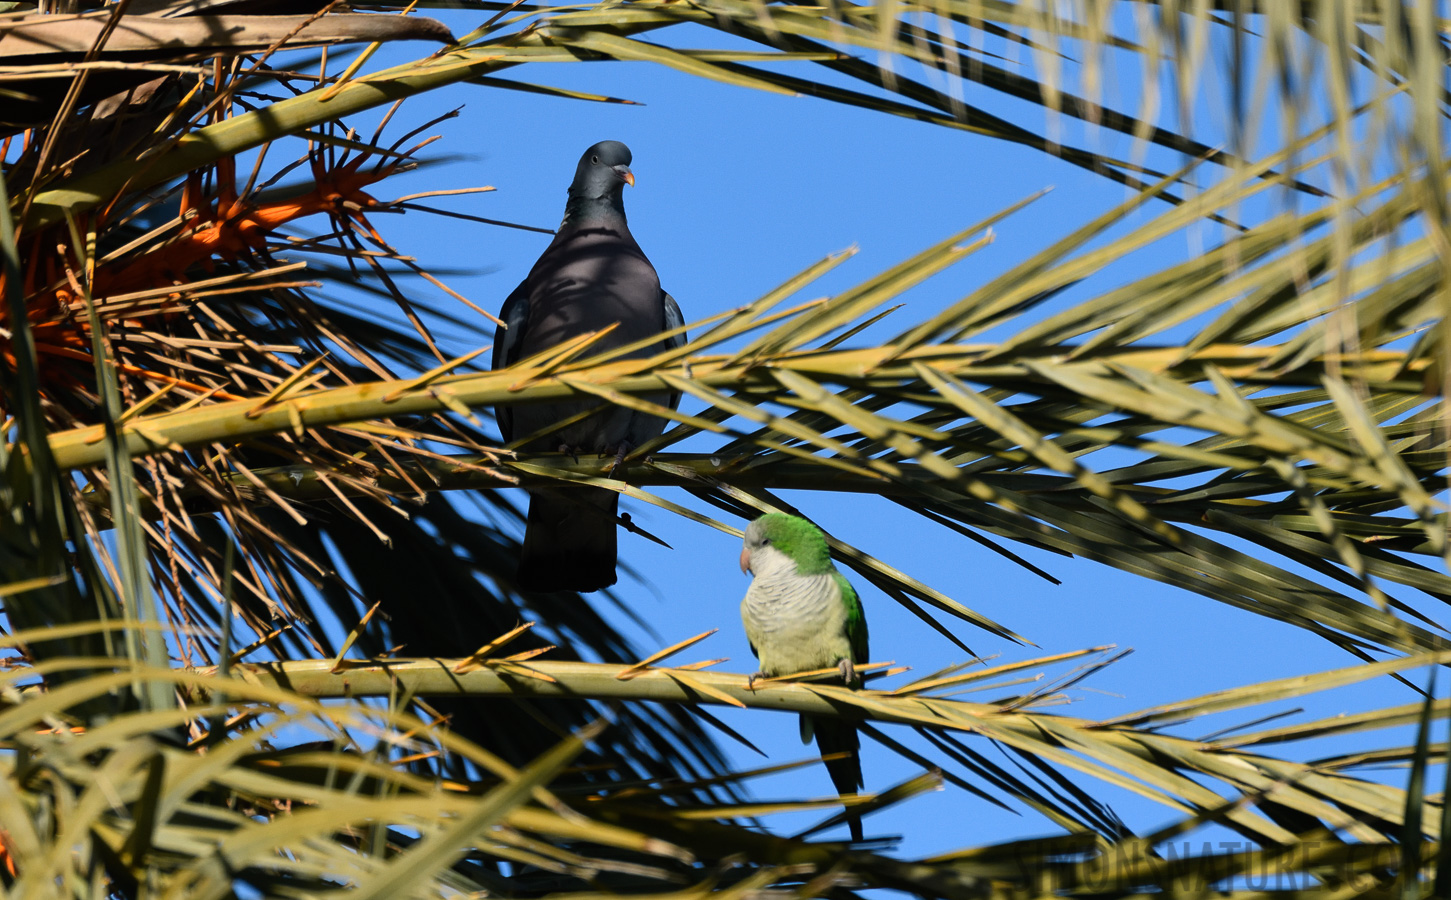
[(571, 452), (751, 680), (848, 671)]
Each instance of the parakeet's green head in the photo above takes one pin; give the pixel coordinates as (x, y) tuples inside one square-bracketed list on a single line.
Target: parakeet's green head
[(776, 538)]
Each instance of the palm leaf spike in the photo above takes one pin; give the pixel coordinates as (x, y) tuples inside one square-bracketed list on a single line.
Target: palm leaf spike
[(1442, 880), (137, 601), (1412, 837), (39, 514)]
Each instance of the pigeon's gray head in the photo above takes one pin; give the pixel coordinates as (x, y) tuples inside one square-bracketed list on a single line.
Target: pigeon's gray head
[(603, 172)]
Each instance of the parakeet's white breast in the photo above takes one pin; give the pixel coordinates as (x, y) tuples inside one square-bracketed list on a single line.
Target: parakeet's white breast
[(796, 622)]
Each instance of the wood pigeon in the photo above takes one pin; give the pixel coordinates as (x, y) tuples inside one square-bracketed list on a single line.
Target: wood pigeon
[(592, 275)]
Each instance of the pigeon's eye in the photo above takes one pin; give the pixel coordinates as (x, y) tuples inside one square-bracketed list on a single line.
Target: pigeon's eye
[(595, 160)]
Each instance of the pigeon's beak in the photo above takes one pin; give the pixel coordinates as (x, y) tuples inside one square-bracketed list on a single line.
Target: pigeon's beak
[(625, 174), (746, 561)]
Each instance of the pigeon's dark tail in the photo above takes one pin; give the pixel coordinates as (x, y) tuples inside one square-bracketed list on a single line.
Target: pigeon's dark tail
[(570, 541), (836, 736)]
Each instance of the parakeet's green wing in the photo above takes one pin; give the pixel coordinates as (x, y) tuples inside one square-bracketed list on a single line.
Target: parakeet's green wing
[(856, 620)]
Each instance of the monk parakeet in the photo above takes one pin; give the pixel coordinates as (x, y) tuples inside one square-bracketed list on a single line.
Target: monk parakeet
[(801, 614), (592, 276)]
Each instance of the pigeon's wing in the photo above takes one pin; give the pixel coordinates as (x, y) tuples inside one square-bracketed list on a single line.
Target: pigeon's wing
[(509, 339), (673, 319), (507, 343)]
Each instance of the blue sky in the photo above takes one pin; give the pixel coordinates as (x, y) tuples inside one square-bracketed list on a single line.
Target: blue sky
[(737, 190)]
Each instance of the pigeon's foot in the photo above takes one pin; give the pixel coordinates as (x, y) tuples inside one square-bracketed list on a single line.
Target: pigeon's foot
[(848, 671), (620, 453), (571, 452)]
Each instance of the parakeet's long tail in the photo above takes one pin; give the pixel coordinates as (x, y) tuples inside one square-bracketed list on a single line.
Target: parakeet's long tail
[(836, 736), (570, 542)]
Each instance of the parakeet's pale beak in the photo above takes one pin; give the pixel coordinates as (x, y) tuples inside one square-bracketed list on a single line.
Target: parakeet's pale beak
[(746, 561), (625, 174)]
